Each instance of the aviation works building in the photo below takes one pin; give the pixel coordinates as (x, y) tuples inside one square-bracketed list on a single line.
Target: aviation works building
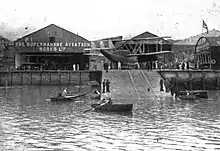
[(52, 48)]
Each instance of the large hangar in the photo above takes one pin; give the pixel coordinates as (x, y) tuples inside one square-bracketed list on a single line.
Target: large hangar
[(51, 48)]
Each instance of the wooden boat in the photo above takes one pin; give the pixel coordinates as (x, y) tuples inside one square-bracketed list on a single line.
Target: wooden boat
[(198, 93), (113, 107), (67, 98), (187, 97)]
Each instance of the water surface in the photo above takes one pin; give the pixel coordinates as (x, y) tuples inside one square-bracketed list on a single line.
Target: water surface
[(28, 121)]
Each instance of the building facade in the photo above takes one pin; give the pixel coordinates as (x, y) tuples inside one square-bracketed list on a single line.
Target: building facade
[(184, 50), (147, 43), (6, 54), (96, 58), (207, 53), (51, 48)]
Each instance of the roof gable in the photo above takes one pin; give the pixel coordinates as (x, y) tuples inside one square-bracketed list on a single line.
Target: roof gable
[(51, 39), (145, 35), (60, 34), (150, 35)]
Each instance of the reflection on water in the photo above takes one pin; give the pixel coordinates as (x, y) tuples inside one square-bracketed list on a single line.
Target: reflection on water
[(29, 122)]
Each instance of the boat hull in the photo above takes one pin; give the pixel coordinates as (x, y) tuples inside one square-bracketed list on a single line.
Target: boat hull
[(188, 97), (66, 98), (56, 99), (113, 107), (198, 93)]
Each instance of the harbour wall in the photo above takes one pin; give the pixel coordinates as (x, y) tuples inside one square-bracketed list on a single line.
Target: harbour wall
[(193, 79), (12, 78)]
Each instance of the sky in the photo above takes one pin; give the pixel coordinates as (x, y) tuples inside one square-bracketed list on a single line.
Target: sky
[(96, 19)]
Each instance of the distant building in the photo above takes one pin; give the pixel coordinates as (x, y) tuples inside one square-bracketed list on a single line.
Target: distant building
[(184, 50), (4, 41), (6, 54), (97, 60), (207, 53), (135, 46), (148, 43)]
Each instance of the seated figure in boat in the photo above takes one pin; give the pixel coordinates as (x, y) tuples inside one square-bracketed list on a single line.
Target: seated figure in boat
[(59, 94), (96, 92), (64, 92), (109, 101)]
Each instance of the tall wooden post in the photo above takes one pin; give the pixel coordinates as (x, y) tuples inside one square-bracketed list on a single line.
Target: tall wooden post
[(203, 81), (31, 77), (80, 82), (60, 77), (190, 80), (69, 77), (41, 78), (0, 79), (218, 81), (50, 77), (21, 78), (177, 81), (11, 78)]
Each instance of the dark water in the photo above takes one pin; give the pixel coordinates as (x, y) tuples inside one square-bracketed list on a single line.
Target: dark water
[(28, 121)]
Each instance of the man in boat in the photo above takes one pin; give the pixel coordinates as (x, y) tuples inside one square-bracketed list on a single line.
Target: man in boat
[(109, 101), (59, 94), (64, 92)]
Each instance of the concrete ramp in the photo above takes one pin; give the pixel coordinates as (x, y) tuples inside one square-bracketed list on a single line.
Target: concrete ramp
[(120, 84), (154, 79), (133, 84)]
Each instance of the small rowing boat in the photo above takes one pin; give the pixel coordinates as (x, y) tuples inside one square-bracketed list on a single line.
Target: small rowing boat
[(198, 93), (187, 97), (113, 107), (67, 98)]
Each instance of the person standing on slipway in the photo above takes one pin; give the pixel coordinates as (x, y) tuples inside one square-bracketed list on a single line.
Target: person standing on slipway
[(103, 86), (161, 85), (106, 67), (119, 65), (108, 86)]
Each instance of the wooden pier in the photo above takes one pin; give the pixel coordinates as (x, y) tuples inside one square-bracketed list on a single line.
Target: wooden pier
[(49, 77), (196, 79)]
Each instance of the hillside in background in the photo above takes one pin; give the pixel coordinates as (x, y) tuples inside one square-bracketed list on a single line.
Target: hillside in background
[(14, 33), (192, 40)]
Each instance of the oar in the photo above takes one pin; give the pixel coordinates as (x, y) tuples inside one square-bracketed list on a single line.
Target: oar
[(92, 109)]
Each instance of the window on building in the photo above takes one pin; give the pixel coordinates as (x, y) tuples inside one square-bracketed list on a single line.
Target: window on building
[(51, 39)]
